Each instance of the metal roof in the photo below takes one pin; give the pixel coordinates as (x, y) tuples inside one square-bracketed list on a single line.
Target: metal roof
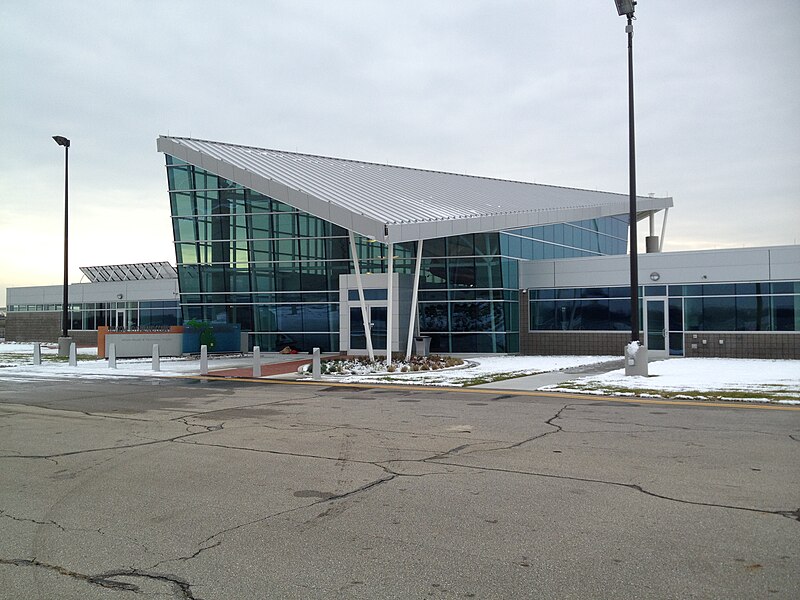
[(391, 203), (130, 272)]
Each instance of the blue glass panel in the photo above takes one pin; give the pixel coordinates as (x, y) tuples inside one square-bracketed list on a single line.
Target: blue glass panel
[(433, 317), (180, 178), (785, 313), (369, 294), (785, 287), (619, 315), (719, 314), (487, 244), (718, 289), (542, 316)]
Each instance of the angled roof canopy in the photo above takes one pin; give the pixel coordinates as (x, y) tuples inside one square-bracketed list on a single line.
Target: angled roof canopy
[(130, 272), (398, 204)]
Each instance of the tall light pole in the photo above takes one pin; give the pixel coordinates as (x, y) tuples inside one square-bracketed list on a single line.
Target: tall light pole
[(63, 351), (626, 8)]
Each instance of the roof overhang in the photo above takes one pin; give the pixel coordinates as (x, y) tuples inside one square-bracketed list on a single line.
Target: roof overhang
[(398, 204)]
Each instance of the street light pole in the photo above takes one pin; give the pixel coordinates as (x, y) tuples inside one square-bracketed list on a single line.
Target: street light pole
[(62, 141), (634, 355), (632, 209)]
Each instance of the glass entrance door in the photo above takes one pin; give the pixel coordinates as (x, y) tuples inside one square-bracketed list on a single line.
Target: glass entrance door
[(358, 338), (655, 327), (377, 315)]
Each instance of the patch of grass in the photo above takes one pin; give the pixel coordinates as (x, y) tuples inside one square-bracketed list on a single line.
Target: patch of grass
[(493, 377), (16, 359), (770, 394)]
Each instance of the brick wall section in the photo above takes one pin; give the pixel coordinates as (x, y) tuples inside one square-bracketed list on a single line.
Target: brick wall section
[(742, 345), (573, 343), (33, 326), (43, 327)]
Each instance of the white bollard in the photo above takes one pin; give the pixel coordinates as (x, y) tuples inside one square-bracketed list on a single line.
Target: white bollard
[(203, 360), (112, 356), (256, 361), (316, 365), (37, 354), (73, 355), (156, 358)]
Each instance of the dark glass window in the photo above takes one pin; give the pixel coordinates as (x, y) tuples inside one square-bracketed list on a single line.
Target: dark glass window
[(785, 313), (180, 178), (369, 294), (433, 317), (655, 290), (786, 287), (719, 289)]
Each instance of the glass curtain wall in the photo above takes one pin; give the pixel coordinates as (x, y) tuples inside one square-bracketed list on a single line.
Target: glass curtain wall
[(249, 259), (721, 307), (468, 299), (87, 316), (590, 237)]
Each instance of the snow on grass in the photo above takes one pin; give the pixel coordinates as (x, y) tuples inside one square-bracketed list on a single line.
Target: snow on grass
[(482, 369), (16, 362), (700, 378), (682, 378)]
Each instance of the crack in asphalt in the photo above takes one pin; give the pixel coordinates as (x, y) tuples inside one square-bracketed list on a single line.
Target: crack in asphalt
[(680, 427), (181, 588), (3, 513), (261, 519), (794, 515), (557, 429), (177, 438), (248, 406)]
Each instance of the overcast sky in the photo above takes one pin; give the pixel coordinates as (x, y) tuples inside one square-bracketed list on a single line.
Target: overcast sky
[(519, 89)]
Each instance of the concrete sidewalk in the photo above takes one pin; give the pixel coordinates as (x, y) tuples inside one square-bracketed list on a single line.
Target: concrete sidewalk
[(285, 366), (271, 365), (535, 382)]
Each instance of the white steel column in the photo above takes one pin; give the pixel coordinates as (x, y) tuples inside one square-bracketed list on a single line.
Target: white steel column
[(663, 229), (364, 312), (414, 294), (390, 304)]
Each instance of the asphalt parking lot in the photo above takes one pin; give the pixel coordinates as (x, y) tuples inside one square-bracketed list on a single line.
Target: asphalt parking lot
[(189, 488)]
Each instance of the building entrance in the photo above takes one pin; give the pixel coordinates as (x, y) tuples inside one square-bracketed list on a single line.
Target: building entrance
[(377, 325), (656, 326)]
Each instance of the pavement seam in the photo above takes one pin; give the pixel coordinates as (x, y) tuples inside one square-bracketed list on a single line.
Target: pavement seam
[(790, 514)]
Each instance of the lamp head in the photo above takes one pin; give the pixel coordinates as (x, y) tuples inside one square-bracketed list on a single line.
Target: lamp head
[(625, 7), (61, 140)]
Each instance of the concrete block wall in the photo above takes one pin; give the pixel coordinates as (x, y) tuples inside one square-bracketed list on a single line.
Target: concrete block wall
[(43, 327), (33, 326), (742, 345), (573, 343)]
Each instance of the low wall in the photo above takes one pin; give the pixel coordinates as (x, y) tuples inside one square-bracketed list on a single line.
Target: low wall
[(742, 345), (558, 343), (43, 327), (33, 326), (135, 344)]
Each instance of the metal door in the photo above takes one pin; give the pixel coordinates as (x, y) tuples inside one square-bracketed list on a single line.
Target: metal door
[(656, 327)]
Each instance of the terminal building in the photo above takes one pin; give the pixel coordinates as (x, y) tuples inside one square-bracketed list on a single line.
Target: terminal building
[(303, 251), (121, 297)]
